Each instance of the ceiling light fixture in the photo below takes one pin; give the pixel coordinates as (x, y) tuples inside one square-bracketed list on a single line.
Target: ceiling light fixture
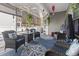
[(53, 9)]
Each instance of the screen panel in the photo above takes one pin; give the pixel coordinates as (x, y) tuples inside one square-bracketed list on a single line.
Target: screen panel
[(76, 26), (7, 22)]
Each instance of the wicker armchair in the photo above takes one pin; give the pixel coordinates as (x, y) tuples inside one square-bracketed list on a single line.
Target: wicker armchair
[(14, 42)]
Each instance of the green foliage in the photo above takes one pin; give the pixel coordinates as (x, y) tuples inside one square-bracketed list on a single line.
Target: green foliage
[(73, 6), (29, 19), (48, 20)]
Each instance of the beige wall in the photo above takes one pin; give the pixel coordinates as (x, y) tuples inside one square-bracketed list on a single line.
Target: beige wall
[(56, 21)]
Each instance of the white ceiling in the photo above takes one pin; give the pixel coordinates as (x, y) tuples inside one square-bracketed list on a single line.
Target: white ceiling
[(33, 8), (44, 8), (58, 6)]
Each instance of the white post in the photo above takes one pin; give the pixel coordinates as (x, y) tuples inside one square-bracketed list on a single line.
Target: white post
[(16, 19), (41, 17)]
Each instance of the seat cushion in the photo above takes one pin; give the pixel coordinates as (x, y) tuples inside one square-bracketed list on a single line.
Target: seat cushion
[(19, 39)]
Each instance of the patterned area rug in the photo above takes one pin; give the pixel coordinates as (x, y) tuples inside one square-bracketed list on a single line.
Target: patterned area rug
[(28, 50), (36, 48), (33, 50)]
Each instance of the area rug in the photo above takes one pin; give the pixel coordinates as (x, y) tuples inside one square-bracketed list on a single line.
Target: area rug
[(34, 50)]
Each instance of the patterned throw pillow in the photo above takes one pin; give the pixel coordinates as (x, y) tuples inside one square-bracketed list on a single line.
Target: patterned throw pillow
[(12, 35)]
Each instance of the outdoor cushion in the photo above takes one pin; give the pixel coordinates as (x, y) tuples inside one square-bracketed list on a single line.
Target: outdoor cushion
[(12, 35), (73, 49), (19, 39)]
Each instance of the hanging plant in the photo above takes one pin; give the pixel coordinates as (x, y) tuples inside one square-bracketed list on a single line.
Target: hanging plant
[(73, 7), (29, 19), (48, 18)]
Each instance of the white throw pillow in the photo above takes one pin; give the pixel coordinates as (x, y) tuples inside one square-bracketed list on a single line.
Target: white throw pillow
[(61, 31), (10, 35), (73, 49), (75, 41)]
